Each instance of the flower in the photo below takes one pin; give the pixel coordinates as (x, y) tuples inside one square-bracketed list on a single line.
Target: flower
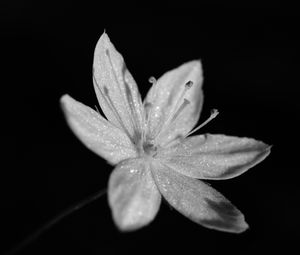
[(150, 144)]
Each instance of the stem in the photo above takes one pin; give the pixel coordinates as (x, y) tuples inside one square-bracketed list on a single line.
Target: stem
[(35, 235)]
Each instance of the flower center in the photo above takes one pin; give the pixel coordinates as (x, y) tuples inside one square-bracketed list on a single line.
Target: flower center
[(149, 148), (144, 146)]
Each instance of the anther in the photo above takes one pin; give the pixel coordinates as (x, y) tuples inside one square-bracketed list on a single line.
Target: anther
[(147, 107), (152, 80), (189, 84), (106, 97), (105, 90)]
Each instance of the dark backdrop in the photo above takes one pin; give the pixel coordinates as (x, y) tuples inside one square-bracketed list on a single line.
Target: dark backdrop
[(250, 68)]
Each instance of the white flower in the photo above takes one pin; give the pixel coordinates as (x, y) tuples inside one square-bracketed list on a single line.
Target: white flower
[(150, 145)]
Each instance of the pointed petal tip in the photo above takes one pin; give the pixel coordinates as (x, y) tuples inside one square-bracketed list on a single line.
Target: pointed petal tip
[(195, 64), (265, 151), (262, 144), (269, 147), (102, 44), (104, 36)]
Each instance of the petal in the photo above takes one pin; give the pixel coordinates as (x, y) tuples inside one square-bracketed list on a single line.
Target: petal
[(167, 95), (133, 196), (97, 133), (198, 201), (116, 89), (214, 156)]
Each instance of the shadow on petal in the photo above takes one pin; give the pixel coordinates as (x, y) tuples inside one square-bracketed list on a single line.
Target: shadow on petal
[(235, 170), (229, 219)]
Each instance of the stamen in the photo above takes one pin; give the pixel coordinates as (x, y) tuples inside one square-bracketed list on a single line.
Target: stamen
[(131, 105), (187, 86), (177, 109), (180, 109), (106, 97), (111, 104), (148, 107), (127, 89), (213, 114)]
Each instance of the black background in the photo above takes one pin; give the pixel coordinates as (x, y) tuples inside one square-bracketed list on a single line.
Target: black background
[(250, 68)]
